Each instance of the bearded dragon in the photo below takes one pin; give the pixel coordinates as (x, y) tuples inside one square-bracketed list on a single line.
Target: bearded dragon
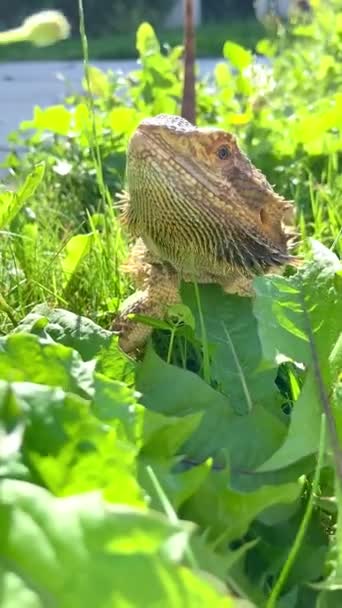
[(198, 210)]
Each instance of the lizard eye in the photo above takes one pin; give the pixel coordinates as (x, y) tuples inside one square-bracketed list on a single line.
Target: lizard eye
[(223, 152)]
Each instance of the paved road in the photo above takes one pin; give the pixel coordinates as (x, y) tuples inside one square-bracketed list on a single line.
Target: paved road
[(26, 84)]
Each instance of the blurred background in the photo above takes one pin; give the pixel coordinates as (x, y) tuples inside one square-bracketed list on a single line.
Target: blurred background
[(111, 25)]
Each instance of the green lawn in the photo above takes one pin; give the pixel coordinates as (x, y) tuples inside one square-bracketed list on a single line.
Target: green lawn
[(210, 39)]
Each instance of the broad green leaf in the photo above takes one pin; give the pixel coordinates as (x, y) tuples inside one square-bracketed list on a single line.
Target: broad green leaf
[(178, 486), (219, 563), (277, 541), (223, 75), (28, 358), (177, 392), (163, 437), (81, 334), (300, 318), (266, 47), (12, 202), (15, 593), (31, 183), (85, 552), (49, 415), (216, 506), (239, 57), (69, 329), (74, 252), (124, 120), (306, 414), (115, 403), (147, 42), (55, 118), (98, 81), (235, 349), (330, 598), (71, 449), (99, 461), (298, 314)]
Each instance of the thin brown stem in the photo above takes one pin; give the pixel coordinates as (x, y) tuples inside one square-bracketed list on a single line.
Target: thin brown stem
[(189, 99)]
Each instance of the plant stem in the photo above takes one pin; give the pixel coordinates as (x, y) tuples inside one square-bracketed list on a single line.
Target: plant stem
[(169, 512), (271, 603), (206, 360), (170, 349)]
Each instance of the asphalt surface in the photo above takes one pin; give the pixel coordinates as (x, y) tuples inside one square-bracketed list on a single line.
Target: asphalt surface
[(26, 84)]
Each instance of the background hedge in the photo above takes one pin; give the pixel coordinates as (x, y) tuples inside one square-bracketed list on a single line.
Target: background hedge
[(105, 16)]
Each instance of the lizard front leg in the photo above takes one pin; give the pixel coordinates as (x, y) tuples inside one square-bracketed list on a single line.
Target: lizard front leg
[(159, 288)]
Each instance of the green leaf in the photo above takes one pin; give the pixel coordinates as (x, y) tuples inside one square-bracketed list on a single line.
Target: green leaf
[(85, 552), (81, 334), (306, 414), (98, 81), (216, 506), (147, 42), (266, 47), (177, 486), (114, 402), (68, 328), (177, 392), (299, 318), (163, 436), (15, 593), (75, 251), (28, 358), (12, 202), (71, 449), (235, 350), (124, 120), (55, 118), (31, 183), (239, 57)]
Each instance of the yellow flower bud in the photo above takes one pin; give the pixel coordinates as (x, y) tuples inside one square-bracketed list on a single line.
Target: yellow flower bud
[(41, 29), (45, 28)]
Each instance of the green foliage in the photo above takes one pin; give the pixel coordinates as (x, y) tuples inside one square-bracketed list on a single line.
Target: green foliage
[(210, 38), (73, 426), (84, 552), (208, 473), (108, 16), (12, 201)]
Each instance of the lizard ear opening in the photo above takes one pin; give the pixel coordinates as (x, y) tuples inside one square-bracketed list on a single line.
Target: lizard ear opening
[(263, 216)]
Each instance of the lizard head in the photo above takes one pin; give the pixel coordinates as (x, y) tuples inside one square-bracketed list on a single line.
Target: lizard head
[(179, 171)]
